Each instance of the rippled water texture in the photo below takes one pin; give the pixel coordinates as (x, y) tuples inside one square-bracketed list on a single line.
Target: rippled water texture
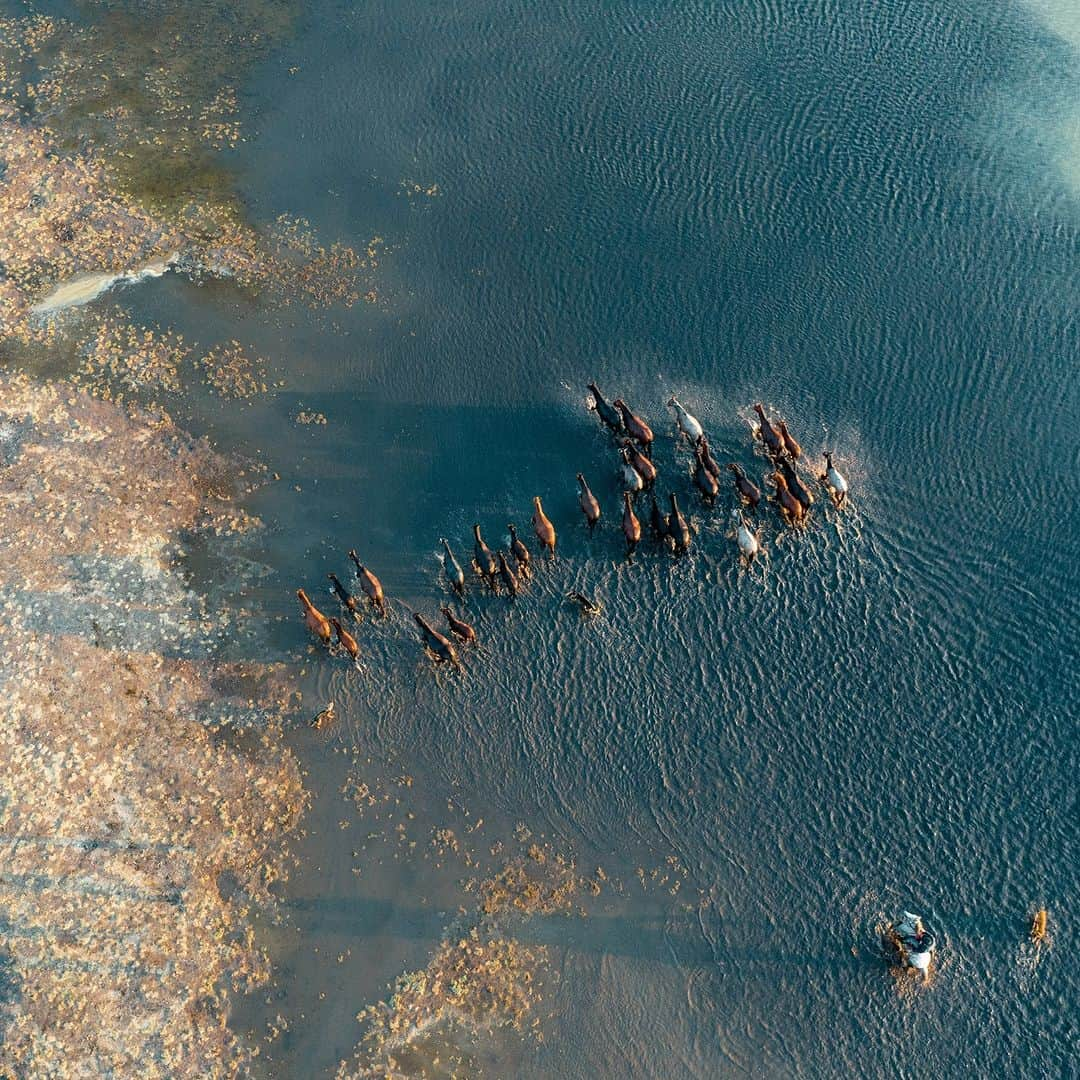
[(864, 215)]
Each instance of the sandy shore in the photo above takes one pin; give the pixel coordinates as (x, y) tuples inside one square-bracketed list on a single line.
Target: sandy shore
[(139, 824)]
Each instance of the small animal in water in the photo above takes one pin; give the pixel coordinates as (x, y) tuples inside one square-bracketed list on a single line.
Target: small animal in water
[(790, 507), (677, 528), (325, 717), (584, 603), (590, 505), (348, 601), (704, 480), (636, 428), (520, 552), (1038, 926), (369, 585), (744, 538), (458, 627), (607, 413), (545, 531), (688, 424), (631, 527), (795, 484), (746, 488), (707, 459), (314, 619), (790, 445), (345, 639), (834, 480), (438, 645), (454, 574), (656, 520), (507, 576), (774, 444)]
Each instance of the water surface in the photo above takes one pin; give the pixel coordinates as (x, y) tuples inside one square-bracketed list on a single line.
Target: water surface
[(863, 215)]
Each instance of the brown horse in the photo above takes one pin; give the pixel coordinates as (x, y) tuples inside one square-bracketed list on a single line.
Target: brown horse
[(545, 531)]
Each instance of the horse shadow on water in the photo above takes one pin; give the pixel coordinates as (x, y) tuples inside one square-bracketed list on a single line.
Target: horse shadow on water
[(647, 939), (641, 939)]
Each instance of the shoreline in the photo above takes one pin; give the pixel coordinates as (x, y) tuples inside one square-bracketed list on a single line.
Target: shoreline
[(120, 945), (153, 794)]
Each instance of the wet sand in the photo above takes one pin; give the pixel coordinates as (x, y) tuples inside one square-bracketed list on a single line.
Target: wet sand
[(148, 789)]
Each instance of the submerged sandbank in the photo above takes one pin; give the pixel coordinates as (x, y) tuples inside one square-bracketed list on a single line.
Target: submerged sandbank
[(83, 288)]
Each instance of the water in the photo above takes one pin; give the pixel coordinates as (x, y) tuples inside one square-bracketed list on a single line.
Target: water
[(864, 216)]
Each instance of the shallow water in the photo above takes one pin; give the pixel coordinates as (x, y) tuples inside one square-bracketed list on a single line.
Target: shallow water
[(858, 214)]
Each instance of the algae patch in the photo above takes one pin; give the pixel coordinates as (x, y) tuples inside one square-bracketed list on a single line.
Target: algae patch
[(147, 792)]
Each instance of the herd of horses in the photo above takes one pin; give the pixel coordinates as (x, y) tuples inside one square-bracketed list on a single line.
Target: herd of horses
[(508, 571)]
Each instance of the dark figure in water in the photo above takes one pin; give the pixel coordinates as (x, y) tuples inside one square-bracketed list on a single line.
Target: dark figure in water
[(454, 574), (541, 523), (459, 627), (636, 428), (324, 717), (348, 601), (707, 459), (790, 445), (345, 639), (631, 527), (774, 444), (520, 553), (704, 480), (656, 521), (506, 575), (795, 485), (369, 585), (483, 559), (790, 508), (608, 413), (745, 486), (677, 528), (440, 647), (645, 468), (587, 606), (590, 505)]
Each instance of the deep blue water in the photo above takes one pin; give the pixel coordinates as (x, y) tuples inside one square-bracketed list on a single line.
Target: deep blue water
[(864, 215)]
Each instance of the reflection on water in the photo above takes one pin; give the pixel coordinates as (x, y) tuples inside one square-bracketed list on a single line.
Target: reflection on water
[(727, 206), (1050, 116)]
